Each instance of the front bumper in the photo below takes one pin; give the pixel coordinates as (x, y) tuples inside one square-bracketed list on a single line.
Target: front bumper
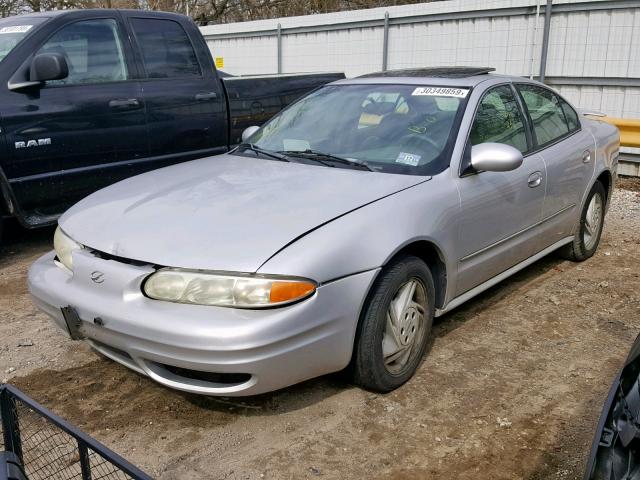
[(247, 351)]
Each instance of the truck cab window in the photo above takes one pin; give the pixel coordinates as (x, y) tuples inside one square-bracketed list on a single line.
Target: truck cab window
[(93, 51), (166, 50)]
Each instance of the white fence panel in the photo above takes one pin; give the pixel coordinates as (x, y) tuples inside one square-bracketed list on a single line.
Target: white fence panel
[(593, 49)]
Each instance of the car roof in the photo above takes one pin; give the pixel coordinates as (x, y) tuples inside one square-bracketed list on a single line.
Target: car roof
[(443, 76)]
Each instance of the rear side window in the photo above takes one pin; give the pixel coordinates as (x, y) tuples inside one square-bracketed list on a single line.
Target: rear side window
[(166, 49), (93, 51), (547, 116), (571, 115), (499, 120)]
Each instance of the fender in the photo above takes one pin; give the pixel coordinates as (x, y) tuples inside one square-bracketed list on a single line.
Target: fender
[(596, 175), (444, 274), (607, 149)]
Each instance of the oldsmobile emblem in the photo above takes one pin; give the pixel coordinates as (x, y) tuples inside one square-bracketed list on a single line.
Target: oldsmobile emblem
[(97, 276)]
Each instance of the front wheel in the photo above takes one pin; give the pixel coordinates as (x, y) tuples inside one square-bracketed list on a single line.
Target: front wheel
[(587, 237), (395, 325)]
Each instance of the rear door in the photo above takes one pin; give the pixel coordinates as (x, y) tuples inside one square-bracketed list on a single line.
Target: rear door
[(500, 211), (186, 108), (73, 136), (569, 155)]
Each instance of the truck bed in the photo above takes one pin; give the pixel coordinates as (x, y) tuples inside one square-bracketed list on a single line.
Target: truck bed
[(255, 99)]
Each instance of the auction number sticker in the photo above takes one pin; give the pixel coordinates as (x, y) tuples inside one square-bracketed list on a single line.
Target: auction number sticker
[(16, 29), (441, 92)]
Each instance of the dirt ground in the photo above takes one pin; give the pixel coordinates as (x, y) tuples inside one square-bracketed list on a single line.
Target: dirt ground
[(511, 389)]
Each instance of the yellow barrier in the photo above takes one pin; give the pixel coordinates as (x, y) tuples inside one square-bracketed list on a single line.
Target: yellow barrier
[(629, 129)]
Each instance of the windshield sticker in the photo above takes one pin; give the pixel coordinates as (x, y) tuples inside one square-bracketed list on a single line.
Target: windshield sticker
[(16, 29), (441, 92), (291, 144), (408, 159)]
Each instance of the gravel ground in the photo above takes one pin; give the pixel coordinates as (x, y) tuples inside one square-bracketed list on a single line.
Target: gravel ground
[(511, 388)]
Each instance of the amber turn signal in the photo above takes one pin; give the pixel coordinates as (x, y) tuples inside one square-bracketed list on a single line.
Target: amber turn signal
[(290, 291)]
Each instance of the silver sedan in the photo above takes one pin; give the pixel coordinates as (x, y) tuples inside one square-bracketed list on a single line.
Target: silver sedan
[(333, 235)]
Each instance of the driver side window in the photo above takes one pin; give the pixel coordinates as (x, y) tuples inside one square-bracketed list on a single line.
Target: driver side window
[(93, 51), (499, 119)]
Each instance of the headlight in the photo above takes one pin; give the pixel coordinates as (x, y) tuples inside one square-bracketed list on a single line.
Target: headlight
[(201, 288), (64, 246)]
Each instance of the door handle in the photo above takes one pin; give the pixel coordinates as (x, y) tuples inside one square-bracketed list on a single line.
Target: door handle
[(206, 96), (124, 103), (535, 179), (586, 156)]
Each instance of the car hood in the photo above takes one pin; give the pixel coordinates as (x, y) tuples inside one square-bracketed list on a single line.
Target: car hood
[(228, 212)]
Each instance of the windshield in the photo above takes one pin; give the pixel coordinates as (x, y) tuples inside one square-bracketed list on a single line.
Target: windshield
[(390, 128), (12, 30)]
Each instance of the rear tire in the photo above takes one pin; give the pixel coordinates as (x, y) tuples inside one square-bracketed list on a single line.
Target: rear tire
[(587, 237), (395, 325)]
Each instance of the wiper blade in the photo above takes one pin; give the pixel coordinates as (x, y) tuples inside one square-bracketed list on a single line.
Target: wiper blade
[(319, 156), (267, 153)]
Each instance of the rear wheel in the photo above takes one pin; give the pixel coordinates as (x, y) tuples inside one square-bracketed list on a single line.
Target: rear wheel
[(395, 325), (587, 237)]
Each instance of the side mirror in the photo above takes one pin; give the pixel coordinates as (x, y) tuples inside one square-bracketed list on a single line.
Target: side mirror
[(248, 132), (495, 157), (48, 66)]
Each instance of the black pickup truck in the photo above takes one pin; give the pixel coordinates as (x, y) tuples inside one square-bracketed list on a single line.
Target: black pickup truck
[(89, 97)]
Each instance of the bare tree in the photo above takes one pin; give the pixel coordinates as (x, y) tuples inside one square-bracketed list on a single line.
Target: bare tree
[(11, 7), (206, 12)]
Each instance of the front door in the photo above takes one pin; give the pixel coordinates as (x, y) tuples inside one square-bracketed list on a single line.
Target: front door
[(499, 210), (73, 136)]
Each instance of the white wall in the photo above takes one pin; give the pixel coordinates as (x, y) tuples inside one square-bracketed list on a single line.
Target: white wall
[(600, 44), (505, 43)]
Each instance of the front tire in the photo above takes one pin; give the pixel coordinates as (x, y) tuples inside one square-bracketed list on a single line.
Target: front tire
[(395, 325), (587, 237)]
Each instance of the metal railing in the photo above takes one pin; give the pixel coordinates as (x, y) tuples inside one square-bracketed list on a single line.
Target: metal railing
[(629, 130), (37, 444), (629, 163)]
